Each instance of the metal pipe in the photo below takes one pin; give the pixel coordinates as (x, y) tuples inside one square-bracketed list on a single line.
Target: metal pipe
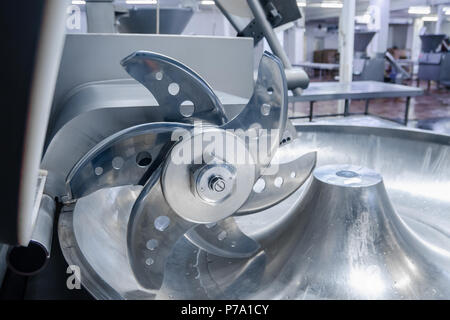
[(33, 258), (397, 66), (227, 15), (157, 16), (260, 17), (295, 78)]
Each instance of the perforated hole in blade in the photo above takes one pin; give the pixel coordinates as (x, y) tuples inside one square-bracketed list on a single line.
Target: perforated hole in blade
[(98, 171), (152, 244), (259, 185), (222, 235), (174, 88), (187, 108), (162, 223), (143, 159), (278, 182), (265, 109), (117, 163)]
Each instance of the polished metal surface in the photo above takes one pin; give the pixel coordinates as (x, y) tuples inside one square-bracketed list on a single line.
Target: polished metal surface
[(265, 116), (319, 91), (153, 229), (179, 179), (223, 239), (43, 231), (349, 243), (31, 259), (122, 159), (96, 98), (107, 221), (102, 109), (177, 88), (371, 222), (181, 192), (415, 169), (285, 180), (185, 197)]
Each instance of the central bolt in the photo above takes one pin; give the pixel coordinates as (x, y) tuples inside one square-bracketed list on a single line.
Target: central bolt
[(213, 183), (217, 184)]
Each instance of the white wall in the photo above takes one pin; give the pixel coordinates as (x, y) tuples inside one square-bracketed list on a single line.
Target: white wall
[(445, 28), (318, 39), (398, 34), (209, 22)]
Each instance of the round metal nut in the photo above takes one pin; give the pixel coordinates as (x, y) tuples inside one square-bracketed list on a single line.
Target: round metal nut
[(214, 183)]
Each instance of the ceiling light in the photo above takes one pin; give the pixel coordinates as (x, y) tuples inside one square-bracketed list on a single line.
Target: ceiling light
[(331, 4), (419, 10), (301, 4), (207, 2), (141, 1), (335, 5), (78, 2)]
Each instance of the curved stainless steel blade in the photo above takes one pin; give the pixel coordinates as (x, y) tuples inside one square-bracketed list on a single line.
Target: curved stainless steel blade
[(223, 239), (270, 190), (266, 112), (153, 230), (180, 92), (293, 175), (127, 157)]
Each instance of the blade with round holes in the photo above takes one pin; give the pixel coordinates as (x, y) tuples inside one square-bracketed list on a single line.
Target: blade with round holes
[(262, 124), (266, 112), (153, 230), (133, 155), (181, 93), (223, 239), (125, 158), (273, 188)]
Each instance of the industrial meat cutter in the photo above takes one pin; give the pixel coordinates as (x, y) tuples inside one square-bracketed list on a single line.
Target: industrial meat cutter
[(159, 192), (195, 205), (182, 176)]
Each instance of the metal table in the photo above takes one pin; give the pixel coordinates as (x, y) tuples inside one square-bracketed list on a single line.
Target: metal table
[(318, 66), (359, 90)]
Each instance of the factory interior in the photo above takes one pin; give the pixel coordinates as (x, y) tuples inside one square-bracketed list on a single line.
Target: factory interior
[(226, 150)]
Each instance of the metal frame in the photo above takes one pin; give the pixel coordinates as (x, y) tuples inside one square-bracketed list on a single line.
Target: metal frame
[(297, 78), (347, 113), (396, 91)]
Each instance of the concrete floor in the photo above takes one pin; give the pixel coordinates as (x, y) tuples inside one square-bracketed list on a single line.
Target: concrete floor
[(434, 104)]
